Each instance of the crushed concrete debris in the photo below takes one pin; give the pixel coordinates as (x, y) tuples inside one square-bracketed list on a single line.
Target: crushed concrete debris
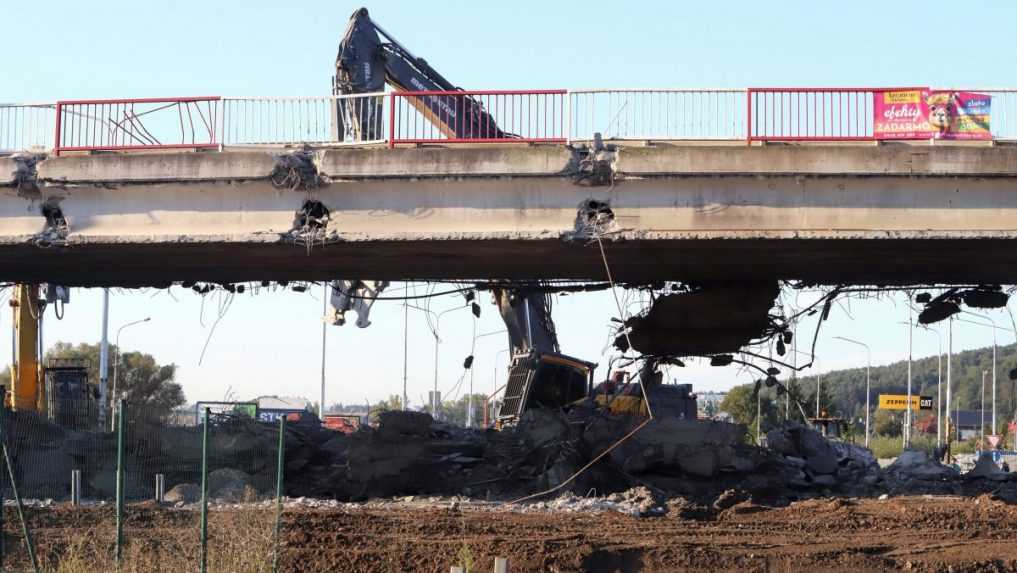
[(593, 166), (297, 170), (813, 461), (919, 465), (593, 219), (985, 468), (709, 320), (26, 174), (668, 466)]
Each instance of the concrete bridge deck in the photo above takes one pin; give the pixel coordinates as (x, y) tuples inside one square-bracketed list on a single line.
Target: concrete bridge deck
[(890, 213)]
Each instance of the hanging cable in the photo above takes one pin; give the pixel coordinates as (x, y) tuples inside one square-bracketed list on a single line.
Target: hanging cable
[(622, 317)]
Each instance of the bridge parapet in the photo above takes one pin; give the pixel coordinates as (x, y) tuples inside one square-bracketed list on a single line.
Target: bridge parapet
[(752, 115)]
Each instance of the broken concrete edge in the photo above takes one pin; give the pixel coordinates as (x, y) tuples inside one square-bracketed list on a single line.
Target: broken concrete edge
[(536, 161), (8, 171)]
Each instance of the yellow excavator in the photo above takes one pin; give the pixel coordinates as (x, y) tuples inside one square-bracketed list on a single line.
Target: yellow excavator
[(27, 391), (58, 391)]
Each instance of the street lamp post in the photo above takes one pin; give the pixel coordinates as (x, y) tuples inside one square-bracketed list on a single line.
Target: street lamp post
[(495, 384), (868, 388), (116, 364), (949, 371), (981, 425), (907, 412), (994, 328), (324, 331), (817, 394), (104, 359), (939, 385), (469, 399), (939, 388), (435, 401)]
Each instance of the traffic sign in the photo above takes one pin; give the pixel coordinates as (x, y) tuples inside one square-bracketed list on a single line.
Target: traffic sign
[(900, 401)]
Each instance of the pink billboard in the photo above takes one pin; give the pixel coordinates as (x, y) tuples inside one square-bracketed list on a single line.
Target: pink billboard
[(901, 115), (931, 114)]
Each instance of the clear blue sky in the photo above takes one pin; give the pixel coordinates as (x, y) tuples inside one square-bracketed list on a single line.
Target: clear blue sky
[(271, 343)]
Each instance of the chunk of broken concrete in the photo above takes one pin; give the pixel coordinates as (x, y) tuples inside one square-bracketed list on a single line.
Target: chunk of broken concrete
[(183, 493), (986, 468), (918, 464)]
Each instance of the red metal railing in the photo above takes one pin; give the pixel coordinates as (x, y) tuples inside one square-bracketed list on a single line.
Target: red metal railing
[(137, 124), (797, 114), (811, 114), (537, 116)]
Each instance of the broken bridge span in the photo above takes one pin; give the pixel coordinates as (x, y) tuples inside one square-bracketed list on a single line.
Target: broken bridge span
[(892, 213)]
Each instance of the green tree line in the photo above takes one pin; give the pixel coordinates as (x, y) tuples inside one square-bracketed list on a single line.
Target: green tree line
[(842, 392)]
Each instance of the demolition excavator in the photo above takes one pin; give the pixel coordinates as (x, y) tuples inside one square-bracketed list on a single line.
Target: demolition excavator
[(58, 390), (539, 374)]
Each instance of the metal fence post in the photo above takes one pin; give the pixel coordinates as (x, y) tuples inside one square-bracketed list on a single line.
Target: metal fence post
[(279, 492), (568, 117), (204, 491), (20, 509), (160, 488), (121, 407), (75, 487), (3, 549)]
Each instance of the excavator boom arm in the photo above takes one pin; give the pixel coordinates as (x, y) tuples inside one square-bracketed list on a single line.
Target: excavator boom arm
[(365, 64)]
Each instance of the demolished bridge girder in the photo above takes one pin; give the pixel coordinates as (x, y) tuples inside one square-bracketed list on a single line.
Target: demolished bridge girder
[(847, 215)]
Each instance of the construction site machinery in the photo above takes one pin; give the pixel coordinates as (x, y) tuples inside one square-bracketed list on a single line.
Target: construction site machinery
[(539, 375), (27, 391), (59, 391), (621, 395), (365, 64), (70, 401)]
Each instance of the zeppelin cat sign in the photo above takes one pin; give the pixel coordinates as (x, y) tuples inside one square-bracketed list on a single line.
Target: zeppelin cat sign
[(900, 401)]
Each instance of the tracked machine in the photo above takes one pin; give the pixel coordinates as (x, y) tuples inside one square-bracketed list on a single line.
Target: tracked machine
[(539, 374)]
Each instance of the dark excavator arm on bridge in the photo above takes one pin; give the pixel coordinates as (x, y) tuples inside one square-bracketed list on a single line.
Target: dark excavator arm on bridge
[(365, 64)]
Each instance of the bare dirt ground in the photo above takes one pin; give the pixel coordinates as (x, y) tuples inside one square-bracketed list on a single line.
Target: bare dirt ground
[(920, 533)]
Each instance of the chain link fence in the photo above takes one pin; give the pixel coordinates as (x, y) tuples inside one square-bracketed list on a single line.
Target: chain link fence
[(139, 494)]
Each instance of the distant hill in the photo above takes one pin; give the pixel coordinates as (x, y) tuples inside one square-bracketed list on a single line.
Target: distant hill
[(847, 387)]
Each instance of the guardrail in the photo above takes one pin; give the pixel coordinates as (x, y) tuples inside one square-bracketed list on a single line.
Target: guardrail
[(537, 116), (1004, 112), (651, 114), (541, 116), (810, 114), (137, 124), (327, 120), (26, 127)]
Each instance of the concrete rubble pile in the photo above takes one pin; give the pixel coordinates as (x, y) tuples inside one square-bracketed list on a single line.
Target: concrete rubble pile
[(668, 455), (812, 461), (986, 468), (919, 465), (578, 453)]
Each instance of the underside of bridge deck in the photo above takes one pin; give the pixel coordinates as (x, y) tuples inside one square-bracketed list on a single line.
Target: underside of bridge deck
[(831, 261)]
